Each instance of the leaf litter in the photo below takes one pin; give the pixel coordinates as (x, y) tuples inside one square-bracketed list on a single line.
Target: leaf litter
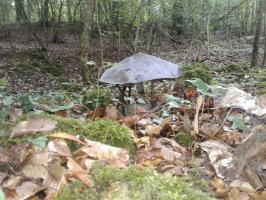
[(228, 146)]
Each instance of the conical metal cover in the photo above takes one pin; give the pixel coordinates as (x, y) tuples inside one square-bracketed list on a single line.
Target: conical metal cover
[(140, 67)]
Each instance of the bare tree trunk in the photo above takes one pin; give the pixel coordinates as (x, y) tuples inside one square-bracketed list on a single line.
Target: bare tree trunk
[(19, 4), (85, 40), (258, 26), (69, 13), (45, 13), (264, 57), (208, 27)]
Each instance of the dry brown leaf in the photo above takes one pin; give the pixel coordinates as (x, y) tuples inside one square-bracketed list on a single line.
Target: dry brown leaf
[(62, 113), (38, 124), (14, 114), (97, 113), (221, 189), (68, 137), (3, 176), (250, 147), (13, 182), (112, 113), (76, 171), (221, 158), (130, 121), (36, 164), (153, 130), (166, 125), (142, 142), (161, 151), (103, 152), (258, 196), (25, 191), (235, 194), (35, 171), (56, 176), (242, 186), (59, 147)]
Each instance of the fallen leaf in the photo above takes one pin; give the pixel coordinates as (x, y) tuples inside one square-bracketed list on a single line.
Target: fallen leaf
[(3, 176), (112, 113), (102, 152), (221, 158), (76, 171), (153, 130), (25, 191), (14, 114), (68, 137), (59, 147), (130, 121), (161, 151), (250, 147), (38, 124)]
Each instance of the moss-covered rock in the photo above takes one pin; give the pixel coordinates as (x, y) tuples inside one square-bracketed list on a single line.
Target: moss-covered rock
[(98, 97), (184, 139), (198, 70), (133, 184)]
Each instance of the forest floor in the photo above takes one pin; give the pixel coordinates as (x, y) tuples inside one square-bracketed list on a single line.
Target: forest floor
[(202, 140), (28, 69)]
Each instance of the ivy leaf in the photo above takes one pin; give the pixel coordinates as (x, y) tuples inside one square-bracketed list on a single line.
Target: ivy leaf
[(40, 141), (59, 108), (175, 102), (26, 103), (238, 123), (202, 87), (141, 101), (165, 114)]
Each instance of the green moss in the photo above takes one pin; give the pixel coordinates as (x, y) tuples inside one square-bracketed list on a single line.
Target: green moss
[(198, 70), (236, 68), (111, 133), (54, 69), (134, 183), (98, 97), (3, 83), (6, 128), (184, 139), (260, 91), (71, 87), (104, 130)]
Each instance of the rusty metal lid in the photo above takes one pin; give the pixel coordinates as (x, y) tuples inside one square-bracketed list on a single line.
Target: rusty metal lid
[(140, 67)]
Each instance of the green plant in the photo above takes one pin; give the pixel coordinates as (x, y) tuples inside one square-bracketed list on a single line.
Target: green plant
[(98, 97), (184, 139), (111, 133), (135, 184), (199, 71)]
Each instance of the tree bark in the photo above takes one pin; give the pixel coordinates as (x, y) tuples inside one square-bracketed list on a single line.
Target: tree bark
[(85, 40), (69, 12), (258, 26), (45, 13), (264, 57), (19, 4)]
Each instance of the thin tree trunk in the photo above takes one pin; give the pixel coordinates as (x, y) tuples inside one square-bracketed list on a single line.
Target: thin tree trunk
[(259, 19), (264, 57), (19, 4), (85, 40), (208, 27), (69, 13)]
